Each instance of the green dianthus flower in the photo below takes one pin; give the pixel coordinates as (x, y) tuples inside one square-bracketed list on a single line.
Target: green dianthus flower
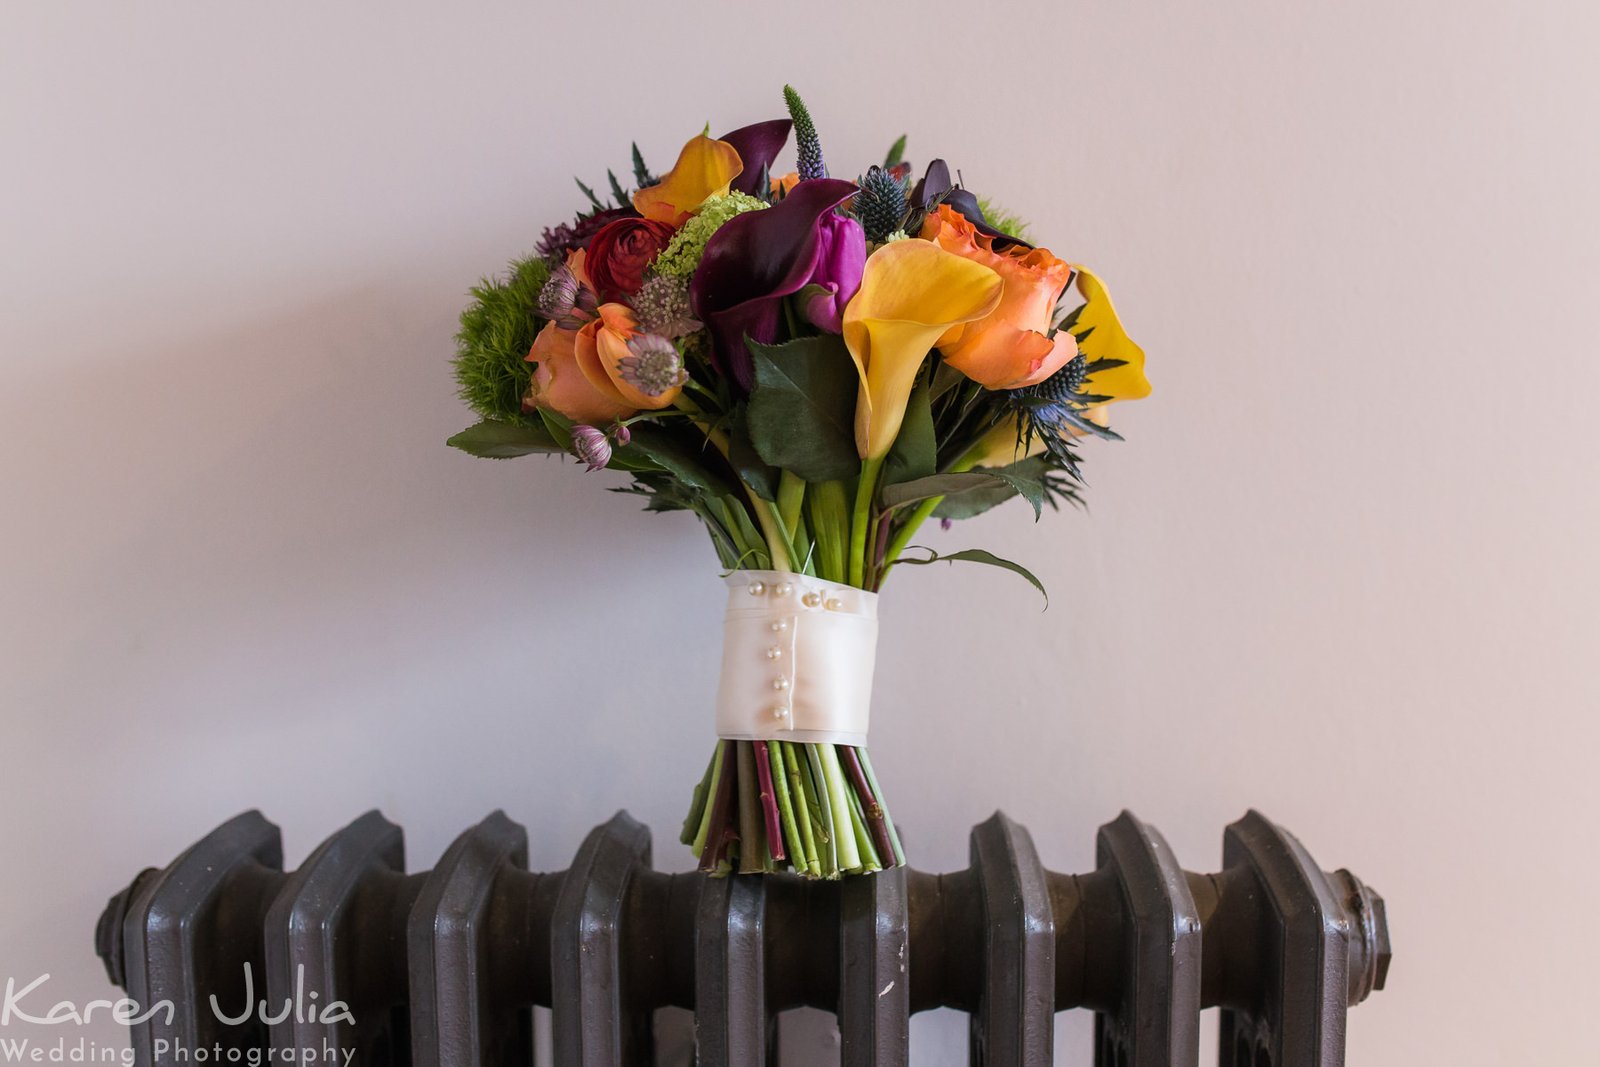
[(683, 252)]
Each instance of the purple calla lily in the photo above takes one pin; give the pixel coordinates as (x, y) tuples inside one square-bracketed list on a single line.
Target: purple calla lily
[(758, 258), (758, 145)]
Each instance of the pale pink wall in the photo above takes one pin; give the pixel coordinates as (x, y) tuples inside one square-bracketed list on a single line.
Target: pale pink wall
[(1344, 569)]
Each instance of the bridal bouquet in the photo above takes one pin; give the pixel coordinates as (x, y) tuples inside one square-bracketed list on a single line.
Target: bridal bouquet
[(814, 367)]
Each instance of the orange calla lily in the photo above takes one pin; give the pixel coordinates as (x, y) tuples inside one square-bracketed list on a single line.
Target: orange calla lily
[(705, 168), (911, 293)]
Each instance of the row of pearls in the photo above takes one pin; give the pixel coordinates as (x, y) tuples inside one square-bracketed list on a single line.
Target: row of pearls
[(811, 599)]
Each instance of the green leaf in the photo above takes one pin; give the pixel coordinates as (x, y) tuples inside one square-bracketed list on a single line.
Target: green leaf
[(936, 485), (802, 410), (1033, 469), (979, 555), (915, 453), (653, 448), (757, 473), (490, 439), (896, 152)]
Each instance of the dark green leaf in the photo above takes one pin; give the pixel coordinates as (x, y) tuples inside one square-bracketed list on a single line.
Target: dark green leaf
[(897, 151), (654, 448), (504, 440), (915, 451), (801, 415), (939, 485), (595, 200), (979, 555), (1033, 469), (757, 473), (617, 190)]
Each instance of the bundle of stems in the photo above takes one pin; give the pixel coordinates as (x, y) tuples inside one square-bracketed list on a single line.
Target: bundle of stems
[(766, 806)]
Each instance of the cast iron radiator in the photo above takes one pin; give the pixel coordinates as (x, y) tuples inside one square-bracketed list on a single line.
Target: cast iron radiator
[(442, 968)]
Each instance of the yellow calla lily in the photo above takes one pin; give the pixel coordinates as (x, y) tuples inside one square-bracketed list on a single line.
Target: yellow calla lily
[(1108, 341), (705, 168), (911, 293)]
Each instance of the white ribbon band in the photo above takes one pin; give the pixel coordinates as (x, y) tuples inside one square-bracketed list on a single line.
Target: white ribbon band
[(797, 658)]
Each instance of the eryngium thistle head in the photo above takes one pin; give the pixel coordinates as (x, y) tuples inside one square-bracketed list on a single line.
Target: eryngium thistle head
[(806, 143), (566, 301), (591, 447), (662, 307), (653, 364), (880, 205)]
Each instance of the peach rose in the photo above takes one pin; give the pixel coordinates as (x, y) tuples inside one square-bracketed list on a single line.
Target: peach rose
[(1010, 347), (561, 384), (611, 364)]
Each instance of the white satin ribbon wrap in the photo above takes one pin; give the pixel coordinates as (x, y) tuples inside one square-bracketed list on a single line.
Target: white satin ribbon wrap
[(797, 658)]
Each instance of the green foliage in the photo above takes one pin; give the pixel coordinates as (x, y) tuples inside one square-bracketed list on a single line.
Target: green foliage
[(497, 330), (803, 407), (491, 439), (682, 254), (1003, 220), (897, 152), (1041, 473), (979, 555)]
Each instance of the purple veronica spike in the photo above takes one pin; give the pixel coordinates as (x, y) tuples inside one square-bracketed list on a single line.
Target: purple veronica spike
[(753, 262), (758, 145)]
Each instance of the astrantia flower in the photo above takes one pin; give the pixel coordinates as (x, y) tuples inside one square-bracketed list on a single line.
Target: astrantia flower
[(591, 447), (662, 306), (565, 300), (682, 254), (602, 349), (653, 365)]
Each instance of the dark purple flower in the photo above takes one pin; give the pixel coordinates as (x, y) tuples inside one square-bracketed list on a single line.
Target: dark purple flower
[(841, 257), (758, 145), (754, 261), (569, 237)]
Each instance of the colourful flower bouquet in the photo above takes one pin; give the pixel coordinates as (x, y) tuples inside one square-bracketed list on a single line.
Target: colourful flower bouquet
[(815, 368)]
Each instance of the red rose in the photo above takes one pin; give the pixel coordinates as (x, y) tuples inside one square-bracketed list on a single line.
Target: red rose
[(621, 251)]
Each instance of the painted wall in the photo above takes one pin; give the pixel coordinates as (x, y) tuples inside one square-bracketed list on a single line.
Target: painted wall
[(1344, 568)]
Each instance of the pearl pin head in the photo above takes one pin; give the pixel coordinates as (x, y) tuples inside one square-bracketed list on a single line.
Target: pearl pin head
[(780, 684), (757, 588), (783, 590), (811, 599)]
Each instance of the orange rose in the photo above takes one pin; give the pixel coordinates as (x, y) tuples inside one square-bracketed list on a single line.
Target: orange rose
[(610, 363), (1010, 347), (561, 384)]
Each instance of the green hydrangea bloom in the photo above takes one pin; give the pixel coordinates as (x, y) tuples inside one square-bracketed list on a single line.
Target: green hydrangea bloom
[(683, 252)]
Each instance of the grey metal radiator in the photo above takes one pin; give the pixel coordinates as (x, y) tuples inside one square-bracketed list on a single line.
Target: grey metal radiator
[(443, 968)]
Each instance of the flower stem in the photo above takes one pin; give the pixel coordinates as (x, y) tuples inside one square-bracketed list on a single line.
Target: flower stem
[(780, 788), (871, 809), (888, 820), (830, 527), (769, 799), (838, 799), (819, 796), (751, 854), (806, 807), (861, 519)]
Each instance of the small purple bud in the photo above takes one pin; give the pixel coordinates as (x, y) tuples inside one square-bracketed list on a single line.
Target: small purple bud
[(945, 524), (591, 446), (621, 434)]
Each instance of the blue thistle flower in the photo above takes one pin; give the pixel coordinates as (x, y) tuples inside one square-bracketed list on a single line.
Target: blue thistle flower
[(880, 206), (805, 137)]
